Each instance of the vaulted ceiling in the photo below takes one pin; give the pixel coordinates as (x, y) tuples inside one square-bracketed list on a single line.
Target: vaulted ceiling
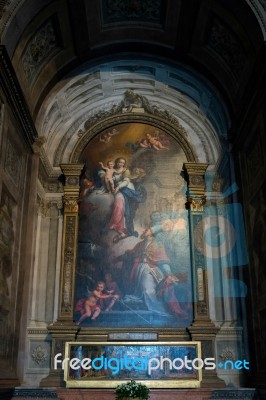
[(70, 55)]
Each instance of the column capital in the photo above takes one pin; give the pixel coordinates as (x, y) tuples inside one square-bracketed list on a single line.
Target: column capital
[(195, 177), (71, 188), (192, 168), (71, 169)]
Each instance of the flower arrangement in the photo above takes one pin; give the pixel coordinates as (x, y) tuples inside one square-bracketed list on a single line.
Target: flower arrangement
[(132, 390)]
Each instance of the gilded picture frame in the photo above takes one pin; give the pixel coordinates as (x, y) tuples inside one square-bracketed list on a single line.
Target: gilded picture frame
[(132, 207)]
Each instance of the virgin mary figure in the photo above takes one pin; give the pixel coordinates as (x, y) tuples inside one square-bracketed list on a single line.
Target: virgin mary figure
[(128, 194)]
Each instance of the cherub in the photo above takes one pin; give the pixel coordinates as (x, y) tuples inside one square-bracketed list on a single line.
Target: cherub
[(107, 177), (88, 308), (155, 143), (102, 297), (113, 132), (144, 143), (105, 137)]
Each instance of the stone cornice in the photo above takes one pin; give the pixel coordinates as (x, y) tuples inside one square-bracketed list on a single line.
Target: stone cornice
[(15, 99)]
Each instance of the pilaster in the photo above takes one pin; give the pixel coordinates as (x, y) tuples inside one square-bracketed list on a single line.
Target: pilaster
[(70, 232), (202, 328), (64, 328)]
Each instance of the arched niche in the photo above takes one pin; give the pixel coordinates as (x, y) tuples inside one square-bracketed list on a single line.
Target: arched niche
[(161, 287)]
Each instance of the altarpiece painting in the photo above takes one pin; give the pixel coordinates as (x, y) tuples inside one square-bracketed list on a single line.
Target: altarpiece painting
[(133, 262)]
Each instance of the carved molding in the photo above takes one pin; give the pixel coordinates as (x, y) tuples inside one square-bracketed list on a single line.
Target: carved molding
[(6, 226), (47, 165), (72, 170), (241, 394), (72, 181), (196, 169), (10, 86), (37, 331), (7, 236), (68, 264), (59, 204), (206, 335), (124, 111), (199, 267), (128, 10), (205, 137), (34, 393), (44, 207), (195, 176), (263, 4), (70, 200), (70, 204), (196, 200), (170, 111), (41, 47), (49, 179), (207, 348), (197, 204), (39, 355), (227, 353), (59, 346), (37, 145), (259, 9), (8, 9), (13, 162), (224, 42), (51, 186)]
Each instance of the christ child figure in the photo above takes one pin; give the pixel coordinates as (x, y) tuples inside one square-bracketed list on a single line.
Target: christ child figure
[(107, 178)]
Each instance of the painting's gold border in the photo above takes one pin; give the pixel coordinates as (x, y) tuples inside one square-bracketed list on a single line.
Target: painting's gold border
[(169, 383)]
